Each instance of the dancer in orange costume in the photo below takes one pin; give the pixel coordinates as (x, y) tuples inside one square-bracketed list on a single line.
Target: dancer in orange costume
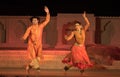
[(78, 56), (34, 35)]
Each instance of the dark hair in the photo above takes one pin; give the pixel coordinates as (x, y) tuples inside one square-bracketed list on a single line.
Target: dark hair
[(77, 22), (35, 17)]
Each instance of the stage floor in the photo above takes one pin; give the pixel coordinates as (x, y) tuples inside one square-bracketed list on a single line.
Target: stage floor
[(12, 65), (58, 73)]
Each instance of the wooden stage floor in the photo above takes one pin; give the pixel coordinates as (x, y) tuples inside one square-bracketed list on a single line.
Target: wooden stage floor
[(58, 73)]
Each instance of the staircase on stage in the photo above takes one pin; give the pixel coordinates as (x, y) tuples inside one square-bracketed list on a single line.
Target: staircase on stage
[(18, 59), (52, 59)]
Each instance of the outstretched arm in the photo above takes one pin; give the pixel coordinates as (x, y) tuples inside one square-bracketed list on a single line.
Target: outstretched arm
[(87, 21), (44, 23)]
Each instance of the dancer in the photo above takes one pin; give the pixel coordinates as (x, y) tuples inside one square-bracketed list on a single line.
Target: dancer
[(78, 56), (34, 35)]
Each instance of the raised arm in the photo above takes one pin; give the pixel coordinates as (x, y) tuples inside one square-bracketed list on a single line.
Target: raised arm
[(44, 23), (87, 21), (69, 37)]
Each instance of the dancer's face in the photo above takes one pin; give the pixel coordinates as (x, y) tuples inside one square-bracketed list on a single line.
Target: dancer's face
[(79, 27), (35, 21)]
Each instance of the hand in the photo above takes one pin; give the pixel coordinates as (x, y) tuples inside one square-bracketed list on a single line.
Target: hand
[(65, 36), (21, 38), (84, 14), (46, 9)]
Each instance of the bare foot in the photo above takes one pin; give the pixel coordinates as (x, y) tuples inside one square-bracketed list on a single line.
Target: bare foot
[(28, 67), (82, 71)]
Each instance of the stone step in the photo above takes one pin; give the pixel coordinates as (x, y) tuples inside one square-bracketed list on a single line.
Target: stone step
[(116, 63), (23, 52), (112, 67), (52, 59), (18, 59), (15, 61)]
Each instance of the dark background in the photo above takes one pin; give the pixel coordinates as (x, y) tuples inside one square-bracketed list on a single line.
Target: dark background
[(36, 7)]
